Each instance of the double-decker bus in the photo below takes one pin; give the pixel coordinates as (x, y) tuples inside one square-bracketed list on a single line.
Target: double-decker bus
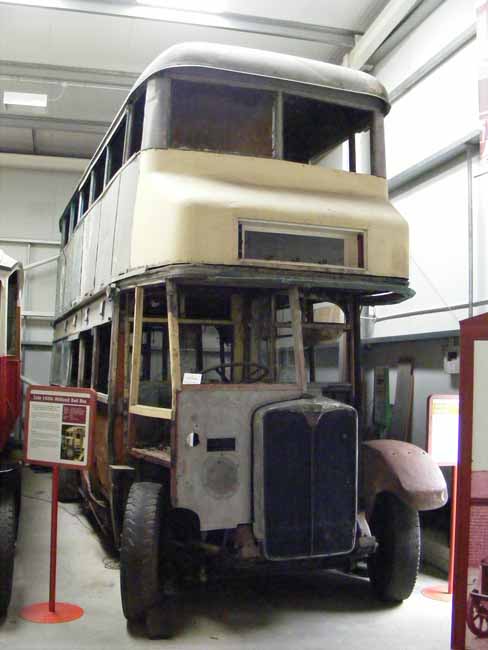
[(10, 407), (215, 259)]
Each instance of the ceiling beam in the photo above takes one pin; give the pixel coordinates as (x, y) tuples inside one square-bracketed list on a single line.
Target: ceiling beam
[(377, 33), (51, 163), (406, 27), (227, 21), (53, 123), (68, 75)]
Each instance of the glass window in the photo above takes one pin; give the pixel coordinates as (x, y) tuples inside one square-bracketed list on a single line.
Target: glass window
[(86, 342), (324, 341), (155, 377), (301, 245), (244, 337), (137, 124), (13, 334), (60, 363), (73, 214), (227, 119), (116, 150), (74, 362), (103, 362), (84, 198), (98, 174), (315, 129)]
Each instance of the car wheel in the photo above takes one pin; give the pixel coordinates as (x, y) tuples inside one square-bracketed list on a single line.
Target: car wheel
[(140, 553), (394, 567)]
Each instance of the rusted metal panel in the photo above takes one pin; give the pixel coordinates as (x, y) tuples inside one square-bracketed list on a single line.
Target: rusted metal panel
[(270, 65), (404, 470)]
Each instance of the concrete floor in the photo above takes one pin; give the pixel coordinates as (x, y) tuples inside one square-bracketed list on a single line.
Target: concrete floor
[(305, 612)]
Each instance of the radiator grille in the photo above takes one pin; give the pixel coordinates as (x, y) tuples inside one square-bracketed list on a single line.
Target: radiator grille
[(309, 483)]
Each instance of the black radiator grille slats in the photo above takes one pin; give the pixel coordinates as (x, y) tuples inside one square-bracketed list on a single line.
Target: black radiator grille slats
[(335, 474), (287, 465), (309, 483)]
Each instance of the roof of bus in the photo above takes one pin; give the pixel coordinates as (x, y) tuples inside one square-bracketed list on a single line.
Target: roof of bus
[(271, 65)]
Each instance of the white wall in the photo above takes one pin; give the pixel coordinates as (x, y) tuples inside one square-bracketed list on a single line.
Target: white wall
[(439, 110), (31, 202)]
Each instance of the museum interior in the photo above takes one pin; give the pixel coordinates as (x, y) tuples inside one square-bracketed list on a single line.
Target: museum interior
[(244, 324)]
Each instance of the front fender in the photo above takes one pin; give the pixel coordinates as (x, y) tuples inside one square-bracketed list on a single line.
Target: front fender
[(404, 470)]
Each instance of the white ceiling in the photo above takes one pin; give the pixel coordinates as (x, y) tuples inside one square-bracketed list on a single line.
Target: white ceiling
[(98, 55)]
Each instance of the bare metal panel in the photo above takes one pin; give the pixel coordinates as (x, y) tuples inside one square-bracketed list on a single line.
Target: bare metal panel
[(125, 212), (58, 309), (90, 245), (93, 314), (106, 235), (73, 252), (217, 484)]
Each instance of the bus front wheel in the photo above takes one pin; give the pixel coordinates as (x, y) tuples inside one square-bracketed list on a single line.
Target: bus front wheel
[(141, 551)]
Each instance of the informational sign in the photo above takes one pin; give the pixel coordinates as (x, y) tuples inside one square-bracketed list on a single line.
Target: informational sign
[(443, 429), (192, 378), (60, 423)]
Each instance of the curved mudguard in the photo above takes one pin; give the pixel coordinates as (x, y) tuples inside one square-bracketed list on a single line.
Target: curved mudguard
[(402, 469)]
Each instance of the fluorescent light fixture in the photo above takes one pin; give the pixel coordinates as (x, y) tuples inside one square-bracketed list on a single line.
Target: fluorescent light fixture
[(203, 6), (32, 100)]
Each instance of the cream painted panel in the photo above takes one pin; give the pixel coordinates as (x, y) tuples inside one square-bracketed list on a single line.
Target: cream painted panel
[(90, 247), (189, 203), (125, 213), (106, 235)]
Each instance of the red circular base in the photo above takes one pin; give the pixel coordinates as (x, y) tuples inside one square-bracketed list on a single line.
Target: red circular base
[(438, 592), (39, 613)]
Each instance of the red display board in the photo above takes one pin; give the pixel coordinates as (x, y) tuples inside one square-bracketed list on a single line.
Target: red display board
[(59, 426), (59, 433)]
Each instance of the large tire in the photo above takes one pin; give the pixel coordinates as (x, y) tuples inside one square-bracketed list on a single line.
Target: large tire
[(141, 550), (394, 567), (68, 485), (8, 525)]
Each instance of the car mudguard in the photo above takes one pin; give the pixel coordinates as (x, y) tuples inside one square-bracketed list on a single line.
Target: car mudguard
[(402, 469)]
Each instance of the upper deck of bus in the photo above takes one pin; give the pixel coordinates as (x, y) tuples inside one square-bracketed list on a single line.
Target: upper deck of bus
[(210, 164)]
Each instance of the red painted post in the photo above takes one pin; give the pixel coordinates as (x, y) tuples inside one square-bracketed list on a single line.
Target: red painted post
[(452, 540), (54, 539)]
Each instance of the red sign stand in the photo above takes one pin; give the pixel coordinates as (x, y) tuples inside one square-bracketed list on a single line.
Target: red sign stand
[(71, 417), (52, 612)]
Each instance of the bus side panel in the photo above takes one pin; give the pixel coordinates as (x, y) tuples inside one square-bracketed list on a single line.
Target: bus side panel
[(90, 246), (125, 213), (106, 235), (72, 279)]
